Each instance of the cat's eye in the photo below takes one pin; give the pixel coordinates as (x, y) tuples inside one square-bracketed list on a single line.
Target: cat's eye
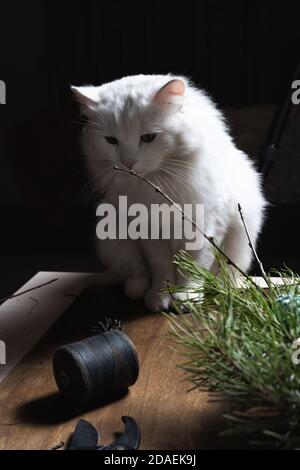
[(112, 140), (147, 138)]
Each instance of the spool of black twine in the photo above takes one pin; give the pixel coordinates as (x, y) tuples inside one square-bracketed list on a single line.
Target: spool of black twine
[(97, 368)]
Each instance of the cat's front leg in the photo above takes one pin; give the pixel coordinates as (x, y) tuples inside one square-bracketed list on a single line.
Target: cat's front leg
[(124, 264), (190, 289), (162, 270), (137, 285)]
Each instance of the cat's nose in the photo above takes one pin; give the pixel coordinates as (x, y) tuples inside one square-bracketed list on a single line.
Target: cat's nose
[(129, 163)]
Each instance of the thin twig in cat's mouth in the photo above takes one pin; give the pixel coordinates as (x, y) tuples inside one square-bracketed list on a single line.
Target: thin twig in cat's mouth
[(209, 239), (261, 267)]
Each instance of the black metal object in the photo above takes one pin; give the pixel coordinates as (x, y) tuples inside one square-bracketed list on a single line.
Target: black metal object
[(270, 151), (86, 437)]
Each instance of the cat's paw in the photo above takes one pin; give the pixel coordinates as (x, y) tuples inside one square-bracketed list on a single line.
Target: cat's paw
[(136, 287), (188, 296), (157, 302)]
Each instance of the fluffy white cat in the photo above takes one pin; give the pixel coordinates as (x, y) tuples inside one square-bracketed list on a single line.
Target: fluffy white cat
[(166, 129)]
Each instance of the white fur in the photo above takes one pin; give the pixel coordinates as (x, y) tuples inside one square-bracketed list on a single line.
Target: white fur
[(193, 159)]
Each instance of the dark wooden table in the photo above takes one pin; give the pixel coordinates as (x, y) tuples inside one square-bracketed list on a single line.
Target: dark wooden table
[(34, 416)]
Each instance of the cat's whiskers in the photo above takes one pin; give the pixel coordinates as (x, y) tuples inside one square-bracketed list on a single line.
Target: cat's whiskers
[(178, 175), (170, 186), (179, 170), (99, 172), (78, 123), (94, 131), (93, 123), (84, 122), (189, 180), (176, 178), (167, 185), (94, 181), (183, 170), (182, 183), (95, 166), (182, 164)]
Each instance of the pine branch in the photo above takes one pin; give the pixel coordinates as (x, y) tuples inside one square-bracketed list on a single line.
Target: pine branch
[(239, 347)]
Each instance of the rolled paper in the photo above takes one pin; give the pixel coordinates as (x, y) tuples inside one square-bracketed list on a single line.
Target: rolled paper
[(96, 368)]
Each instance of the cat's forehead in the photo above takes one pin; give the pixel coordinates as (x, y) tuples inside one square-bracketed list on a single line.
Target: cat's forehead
[(128, 102), (121, 98), (130, 114), (124, 103), (136, 89), (125, 96)]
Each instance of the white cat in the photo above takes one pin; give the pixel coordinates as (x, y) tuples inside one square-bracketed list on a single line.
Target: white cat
[(166, 129)]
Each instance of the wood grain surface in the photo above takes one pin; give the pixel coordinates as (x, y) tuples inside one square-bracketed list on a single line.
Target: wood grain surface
[(34, 416)]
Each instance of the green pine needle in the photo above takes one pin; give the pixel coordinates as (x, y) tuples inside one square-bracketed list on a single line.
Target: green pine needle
[(238, 344)]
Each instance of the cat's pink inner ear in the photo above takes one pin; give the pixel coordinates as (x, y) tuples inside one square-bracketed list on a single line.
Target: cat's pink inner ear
[(86, 96), (172, 92)]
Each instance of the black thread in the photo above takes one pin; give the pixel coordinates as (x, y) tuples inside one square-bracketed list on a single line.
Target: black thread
[(97, 367)]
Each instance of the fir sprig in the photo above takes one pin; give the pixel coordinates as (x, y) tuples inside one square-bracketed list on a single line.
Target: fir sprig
[(238, 344)]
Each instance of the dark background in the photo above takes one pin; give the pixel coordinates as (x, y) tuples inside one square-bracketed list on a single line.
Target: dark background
[(243, 52)]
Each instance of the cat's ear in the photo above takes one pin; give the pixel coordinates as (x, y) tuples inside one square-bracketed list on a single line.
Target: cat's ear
[(171, 93), (86, 96)]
